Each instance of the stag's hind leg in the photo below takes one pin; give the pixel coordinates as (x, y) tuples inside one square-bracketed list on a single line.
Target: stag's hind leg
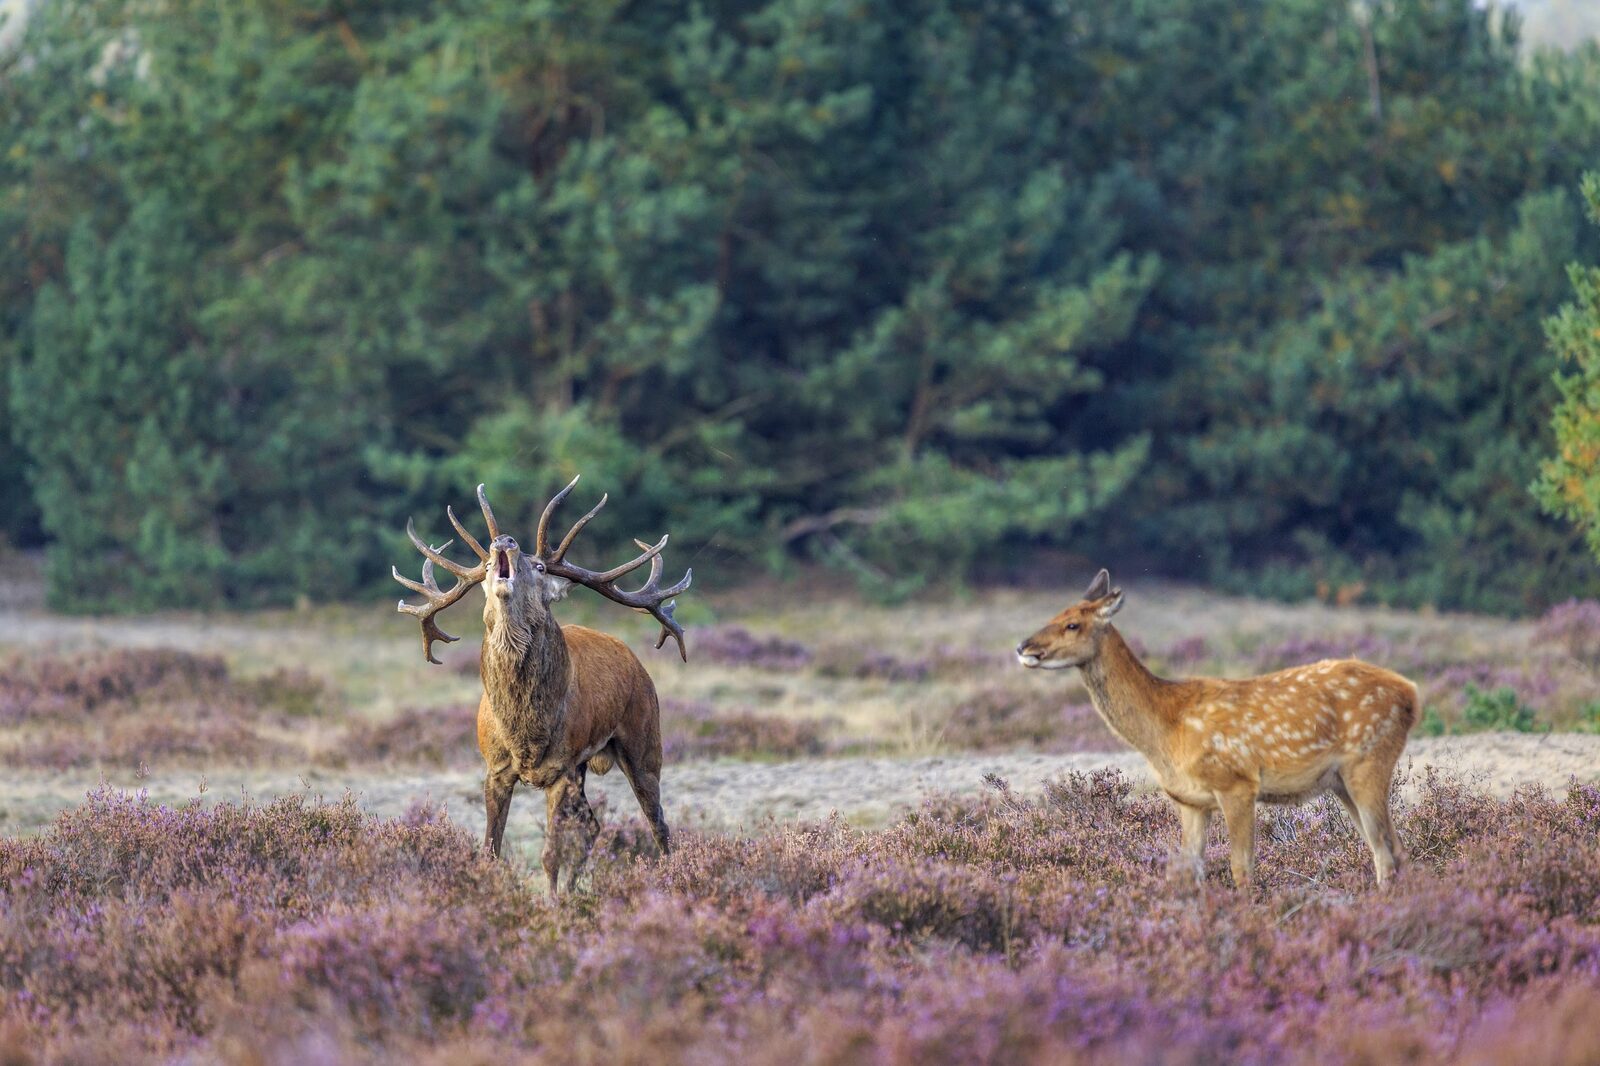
[(642, 768), (570, 829), (1364, 790)]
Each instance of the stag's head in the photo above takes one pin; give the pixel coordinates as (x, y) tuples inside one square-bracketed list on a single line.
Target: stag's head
[(1072, 638), (519, 582), (522, 585)]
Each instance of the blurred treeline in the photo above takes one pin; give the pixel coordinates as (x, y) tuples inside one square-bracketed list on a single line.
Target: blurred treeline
[(1249, 291)]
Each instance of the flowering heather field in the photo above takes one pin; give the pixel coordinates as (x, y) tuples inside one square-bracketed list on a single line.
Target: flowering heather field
[(995, 930)]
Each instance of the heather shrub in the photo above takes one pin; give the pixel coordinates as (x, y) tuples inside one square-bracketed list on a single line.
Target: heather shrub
[(434, 736), (732, 645), (1297, 649), (130, 915), (699, 730), (996, 718), (297, 693), (129, 707), (789, 862), (866, 664), (1574, 628), (129, 743), (392, 964), (989, 929), (925, 899), (1186, 654), (35, 688)]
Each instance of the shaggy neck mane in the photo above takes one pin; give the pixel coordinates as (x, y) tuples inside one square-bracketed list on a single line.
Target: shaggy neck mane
[(1129, 698), (525, 669)]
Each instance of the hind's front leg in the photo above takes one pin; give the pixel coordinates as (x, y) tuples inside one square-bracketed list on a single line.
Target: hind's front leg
[(1239, 811), (1195, 821)]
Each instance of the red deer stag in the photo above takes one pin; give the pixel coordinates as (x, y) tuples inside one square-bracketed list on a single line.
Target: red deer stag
[(1337, 725), (557, 701)]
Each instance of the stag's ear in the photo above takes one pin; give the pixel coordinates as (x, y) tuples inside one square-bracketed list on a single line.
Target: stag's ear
[(1100, 586), (1111, 606)]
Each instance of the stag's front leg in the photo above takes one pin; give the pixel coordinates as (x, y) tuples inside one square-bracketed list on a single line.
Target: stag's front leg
[(554, 829), (498, 784)]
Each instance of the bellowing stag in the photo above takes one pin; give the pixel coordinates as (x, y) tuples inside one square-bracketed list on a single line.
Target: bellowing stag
[(558, 701)]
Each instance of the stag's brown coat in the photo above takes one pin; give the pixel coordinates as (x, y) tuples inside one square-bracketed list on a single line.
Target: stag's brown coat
[(557, 701)]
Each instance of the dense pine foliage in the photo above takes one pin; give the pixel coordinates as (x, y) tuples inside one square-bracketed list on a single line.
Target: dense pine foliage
[(1250, 290), (1570, 482)]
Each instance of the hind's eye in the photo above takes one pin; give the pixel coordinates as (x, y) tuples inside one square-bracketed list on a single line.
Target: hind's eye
[(1073, 626)]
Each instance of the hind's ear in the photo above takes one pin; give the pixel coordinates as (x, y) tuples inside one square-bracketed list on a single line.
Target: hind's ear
[(1100, 586), (1112, 605)]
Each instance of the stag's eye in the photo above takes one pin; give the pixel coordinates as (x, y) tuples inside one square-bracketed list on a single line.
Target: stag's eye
[(539, 567)]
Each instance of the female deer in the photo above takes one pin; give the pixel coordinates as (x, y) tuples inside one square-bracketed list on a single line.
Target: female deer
[(557, 701), (1337, 725)]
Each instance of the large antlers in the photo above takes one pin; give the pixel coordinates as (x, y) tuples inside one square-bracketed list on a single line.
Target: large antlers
[(650, 597), (466, 577)]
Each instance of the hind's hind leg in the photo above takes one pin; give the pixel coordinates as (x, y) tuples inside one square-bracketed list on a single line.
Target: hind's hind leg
[(1364, 790)]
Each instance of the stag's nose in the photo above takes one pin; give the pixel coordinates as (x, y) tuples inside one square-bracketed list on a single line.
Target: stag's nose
[(503, 543)]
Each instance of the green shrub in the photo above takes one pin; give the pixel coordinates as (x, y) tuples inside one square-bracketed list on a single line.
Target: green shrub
[(1498, 710)]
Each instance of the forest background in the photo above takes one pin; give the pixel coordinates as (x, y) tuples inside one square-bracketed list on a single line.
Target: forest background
[(1284, 296)]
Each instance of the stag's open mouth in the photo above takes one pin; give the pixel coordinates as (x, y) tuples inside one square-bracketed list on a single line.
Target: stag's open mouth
[(502, 573)]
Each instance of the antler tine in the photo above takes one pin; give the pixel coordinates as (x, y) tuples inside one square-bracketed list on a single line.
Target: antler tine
[(432, 553), (471, 541), (541, 544), (656, 566), (663, 614), (438, 599), (652, 552), (577, 527), (488, 515), (649, 597), (669, 625)]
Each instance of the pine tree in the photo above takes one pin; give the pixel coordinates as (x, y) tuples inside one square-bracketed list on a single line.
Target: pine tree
[(1569, 481)]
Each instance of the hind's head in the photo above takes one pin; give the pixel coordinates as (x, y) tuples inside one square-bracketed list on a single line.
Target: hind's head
[(1072, 638)]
